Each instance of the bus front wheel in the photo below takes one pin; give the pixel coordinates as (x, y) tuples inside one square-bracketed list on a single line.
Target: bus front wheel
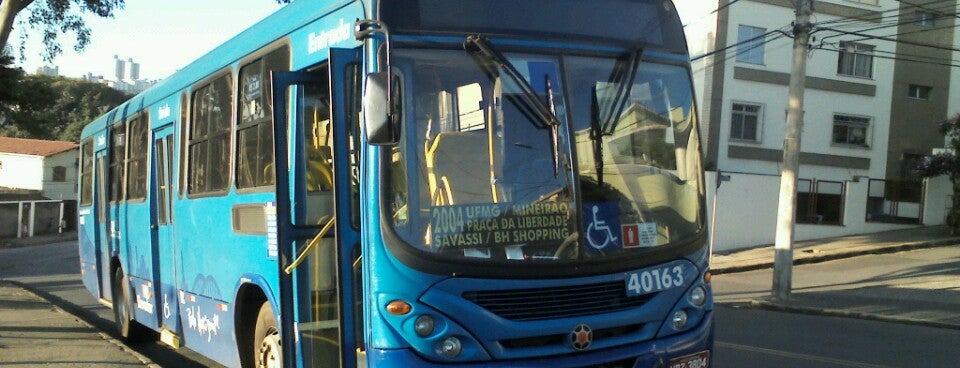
[(129, 329), (267, 349)]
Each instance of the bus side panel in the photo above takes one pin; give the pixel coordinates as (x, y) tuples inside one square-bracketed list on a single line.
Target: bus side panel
[(137, 251), (214, 259), (88, 251)]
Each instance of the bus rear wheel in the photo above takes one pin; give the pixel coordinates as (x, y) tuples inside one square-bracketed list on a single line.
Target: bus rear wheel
[(129, 329), (267, 349)]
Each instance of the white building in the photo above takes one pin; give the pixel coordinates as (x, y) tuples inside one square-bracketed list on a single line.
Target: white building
[(743, 54), (46, 166), (38, 187)]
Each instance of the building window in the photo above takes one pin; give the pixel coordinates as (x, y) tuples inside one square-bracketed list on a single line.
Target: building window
[(750, 41), (919, 92), (59, 174), (856, 59), (924, 19), (851, 130), (745, 122)]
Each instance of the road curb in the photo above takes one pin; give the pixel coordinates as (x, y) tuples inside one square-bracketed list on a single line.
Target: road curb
[(804, 258), (61, 306), (773, 306)]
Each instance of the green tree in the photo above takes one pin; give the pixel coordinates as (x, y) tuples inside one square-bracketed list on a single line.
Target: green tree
[(9, 79), (57, 108), (947, 163), (52, 17)]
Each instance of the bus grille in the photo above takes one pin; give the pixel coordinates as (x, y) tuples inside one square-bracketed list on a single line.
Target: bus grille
[(556, 302)]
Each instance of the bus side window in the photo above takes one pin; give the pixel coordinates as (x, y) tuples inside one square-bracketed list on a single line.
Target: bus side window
[(118, 154), (255, 151), (210, 137)]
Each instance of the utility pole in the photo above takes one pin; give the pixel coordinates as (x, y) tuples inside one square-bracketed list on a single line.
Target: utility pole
[(786, 212)]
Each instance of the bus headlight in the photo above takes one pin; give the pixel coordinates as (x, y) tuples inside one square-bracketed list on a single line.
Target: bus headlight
[(424, 326), (698, 296), (450, 347), (679, 319)]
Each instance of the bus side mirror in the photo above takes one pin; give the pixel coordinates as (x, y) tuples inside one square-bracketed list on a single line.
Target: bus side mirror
[(381, 111)]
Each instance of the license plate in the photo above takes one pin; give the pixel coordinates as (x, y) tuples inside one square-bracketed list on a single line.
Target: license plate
[(696, 360), (655, 280)]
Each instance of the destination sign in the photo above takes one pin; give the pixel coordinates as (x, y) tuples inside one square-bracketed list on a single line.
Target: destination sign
[(493, 224)]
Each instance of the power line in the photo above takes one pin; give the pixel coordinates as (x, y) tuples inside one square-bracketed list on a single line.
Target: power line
[(715, 11), (922, 6), (878, 18), (900, 58), (915, 32), (752, 39), (882, 38)]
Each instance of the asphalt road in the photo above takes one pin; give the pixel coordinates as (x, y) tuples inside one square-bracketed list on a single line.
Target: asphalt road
[(921, 283), (744, 337), (759, 338)]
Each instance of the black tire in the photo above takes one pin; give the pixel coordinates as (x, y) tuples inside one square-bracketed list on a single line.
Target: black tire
[(130, 330), (267, 348)]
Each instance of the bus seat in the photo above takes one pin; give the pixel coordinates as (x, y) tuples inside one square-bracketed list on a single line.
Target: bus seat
[(459, 169)]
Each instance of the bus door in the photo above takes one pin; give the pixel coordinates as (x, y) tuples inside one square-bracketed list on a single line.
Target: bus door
[(164, 251), (320, 242), (102, 238)]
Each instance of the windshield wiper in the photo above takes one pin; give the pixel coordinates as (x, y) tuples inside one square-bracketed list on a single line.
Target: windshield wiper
[(554, 129), (483, 46), (548, 115), (624, 72)]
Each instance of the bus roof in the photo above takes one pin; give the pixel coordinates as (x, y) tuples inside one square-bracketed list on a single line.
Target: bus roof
[(281, 23)]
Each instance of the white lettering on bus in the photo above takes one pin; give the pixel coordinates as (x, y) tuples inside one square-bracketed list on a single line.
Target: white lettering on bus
[(163, 112), (322, 41)]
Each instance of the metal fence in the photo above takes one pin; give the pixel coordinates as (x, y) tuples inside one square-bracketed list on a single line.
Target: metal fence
[(895, 201), (820, 202)]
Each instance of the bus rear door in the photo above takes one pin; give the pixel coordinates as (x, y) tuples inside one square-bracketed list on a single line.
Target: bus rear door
[(164, 249), (102, 239), (318, 237)]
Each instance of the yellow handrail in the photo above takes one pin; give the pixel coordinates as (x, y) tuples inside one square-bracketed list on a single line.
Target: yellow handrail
[(313, 243)]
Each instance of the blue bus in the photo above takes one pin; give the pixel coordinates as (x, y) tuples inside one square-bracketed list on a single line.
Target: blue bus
[(412, 183)]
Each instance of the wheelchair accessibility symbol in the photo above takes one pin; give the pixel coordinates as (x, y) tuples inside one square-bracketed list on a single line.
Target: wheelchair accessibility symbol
[(603, 223)]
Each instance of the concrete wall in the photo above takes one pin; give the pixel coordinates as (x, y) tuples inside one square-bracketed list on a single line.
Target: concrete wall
[(746, 211), (32, 218)]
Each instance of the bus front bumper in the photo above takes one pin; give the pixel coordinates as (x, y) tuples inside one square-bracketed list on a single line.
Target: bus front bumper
[(691, 349)]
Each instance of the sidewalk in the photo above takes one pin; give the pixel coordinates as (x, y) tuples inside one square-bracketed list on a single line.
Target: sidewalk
[(35, 333), (931, 299)]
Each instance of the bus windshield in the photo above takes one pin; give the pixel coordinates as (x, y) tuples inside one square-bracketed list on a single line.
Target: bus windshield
[(521, 157)]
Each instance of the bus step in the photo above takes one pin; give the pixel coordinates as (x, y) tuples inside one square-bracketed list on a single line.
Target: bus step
[(105, 302), (170, 338)]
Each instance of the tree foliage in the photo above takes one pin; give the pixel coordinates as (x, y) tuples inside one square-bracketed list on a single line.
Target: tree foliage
[(50, 18), (947, 163), (46, 107)]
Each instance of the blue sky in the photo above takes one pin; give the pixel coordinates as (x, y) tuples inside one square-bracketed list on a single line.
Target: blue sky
[(162, 36)]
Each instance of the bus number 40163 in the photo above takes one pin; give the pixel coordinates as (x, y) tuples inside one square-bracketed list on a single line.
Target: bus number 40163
[(655, 280)]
